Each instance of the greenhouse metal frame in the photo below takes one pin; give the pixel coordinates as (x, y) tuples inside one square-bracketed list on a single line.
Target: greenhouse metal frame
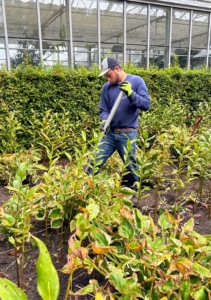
[(83, 32)]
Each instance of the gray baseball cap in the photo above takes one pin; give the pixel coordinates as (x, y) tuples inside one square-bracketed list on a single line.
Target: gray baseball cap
[(107, 64)]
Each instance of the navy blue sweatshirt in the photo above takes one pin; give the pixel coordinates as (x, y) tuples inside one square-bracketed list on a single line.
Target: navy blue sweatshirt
[(127, 112)]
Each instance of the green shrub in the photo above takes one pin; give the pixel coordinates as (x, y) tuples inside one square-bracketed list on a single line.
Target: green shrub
[(28, 92)]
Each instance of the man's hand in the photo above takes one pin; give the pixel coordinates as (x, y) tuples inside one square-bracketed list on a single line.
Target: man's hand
[(102, 124), (126, 88)]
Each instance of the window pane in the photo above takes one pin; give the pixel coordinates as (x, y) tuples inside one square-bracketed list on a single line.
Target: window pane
[(85, 55), (23, 50), (2, 53), (138, 56), (157, 56), (114, 51), (136, 33), (180, 28), (21, 19), (84, 29), (180, 35), (158, 26), (22, 30), (53, 19), (55, 52), (111, 25), (199, 30), (199, 40), (182, 54), (159, 36)]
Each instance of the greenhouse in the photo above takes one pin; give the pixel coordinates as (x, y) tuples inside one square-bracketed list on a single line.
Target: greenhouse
[(82, 32)]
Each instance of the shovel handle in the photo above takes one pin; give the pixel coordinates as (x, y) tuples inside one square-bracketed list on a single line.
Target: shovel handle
[(114, 108), (107, 123)]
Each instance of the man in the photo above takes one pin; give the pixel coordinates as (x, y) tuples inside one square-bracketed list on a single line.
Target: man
[(124, 124)]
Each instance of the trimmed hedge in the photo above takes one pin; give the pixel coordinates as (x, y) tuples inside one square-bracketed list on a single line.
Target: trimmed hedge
[(29, 92)]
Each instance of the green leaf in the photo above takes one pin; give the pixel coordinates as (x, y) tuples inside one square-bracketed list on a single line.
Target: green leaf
[(83, 133), (168, 286), (12, 240), (155, 244), (31, 192), (194, 279), (201, 270), (189, 225), (154, 295), (40, 215), (16, 184), (84, 291), (200, 294), (138, 218), (47, 277), (118, 280), (102, 238), (93, 209), (173, 297), (127, 191), (82, 223), (185, 290), (55, 213), (176, 242), (163, 221), (10, 291), (8, 220), (41, 167), (56, 223), (126, 230), (205, 259)]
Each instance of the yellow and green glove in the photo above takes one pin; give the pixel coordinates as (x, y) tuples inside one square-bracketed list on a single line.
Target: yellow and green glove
[(126, 88), (102, 124)]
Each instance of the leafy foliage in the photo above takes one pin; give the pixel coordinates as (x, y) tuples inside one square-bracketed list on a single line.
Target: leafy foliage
[(48, 114), (29, 93), (141, 259)]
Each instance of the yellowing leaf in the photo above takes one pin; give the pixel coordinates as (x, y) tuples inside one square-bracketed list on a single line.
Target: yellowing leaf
[(83, 209), (162, 257), (183, 265), (101, 250), (127, 213), (99, 296), (134, 245), (170, 217), (154, 228)]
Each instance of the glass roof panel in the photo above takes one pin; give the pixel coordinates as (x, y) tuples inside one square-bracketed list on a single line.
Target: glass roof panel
[(82, 3), (192, 3)]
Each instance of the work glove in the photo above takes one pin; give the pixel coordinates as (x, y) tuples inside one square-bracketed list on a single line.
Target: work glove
[(126, 88), (102, 124)]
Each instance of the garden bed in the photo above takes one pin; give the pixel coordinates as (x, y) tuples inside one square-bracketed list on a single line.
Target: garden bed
[(200, 212)]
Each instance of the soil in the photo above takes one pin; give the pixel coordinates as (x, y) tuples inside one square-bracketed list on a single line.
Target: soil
[(200, 212)]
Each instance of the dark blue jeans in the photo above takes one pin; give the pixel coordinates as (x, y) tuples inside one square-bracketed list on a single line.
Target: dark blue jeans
[(112, 142)]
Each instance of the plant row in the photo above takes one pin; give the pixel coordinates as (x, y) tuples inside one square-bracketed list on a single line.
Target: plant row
[(146, 257), (28, 93)]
